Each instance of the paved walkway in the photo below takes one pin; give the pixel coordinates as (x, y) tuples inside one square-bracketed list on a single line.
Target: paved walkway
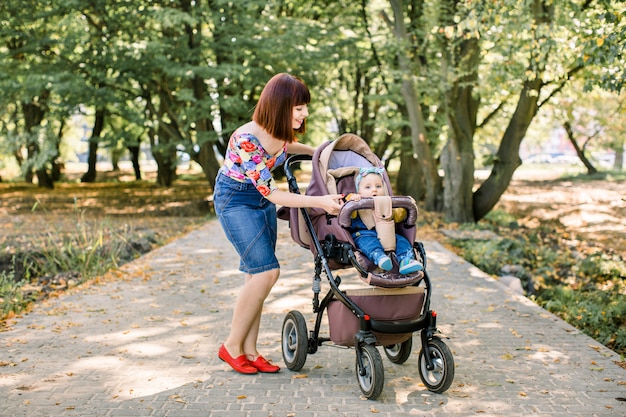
[(145, 344)]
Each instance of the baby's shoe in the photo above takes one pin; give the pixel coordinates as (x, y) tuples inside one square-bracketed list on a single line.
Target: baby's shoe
[(409, 266), (384, 263)]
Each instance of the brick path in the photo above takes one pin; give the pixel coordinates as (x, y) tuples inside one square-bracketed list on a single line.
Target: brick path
[(145, 344)]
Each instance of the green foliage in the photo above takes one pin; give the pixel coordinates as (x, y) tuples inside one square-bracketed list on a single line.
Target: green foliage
[(601, 314), (490, 255), (500, 218), (601, 267), (12, 299)]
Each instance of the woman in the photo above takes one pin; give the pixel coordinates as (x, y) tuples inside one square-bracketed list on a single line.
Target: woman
[(245, 201)]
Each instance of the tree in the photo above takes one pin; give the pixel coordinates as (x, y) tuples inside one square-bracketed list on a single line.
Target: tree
[(454, 55), (29, 46)]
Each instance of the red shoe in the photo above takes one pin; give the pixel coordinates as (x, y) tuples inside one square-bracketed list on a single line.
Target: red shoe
[(240, 364), (263, 365)]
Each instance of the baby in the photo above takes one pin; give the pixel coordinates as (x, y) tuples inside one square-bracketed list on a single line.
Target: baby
[(369, 183)]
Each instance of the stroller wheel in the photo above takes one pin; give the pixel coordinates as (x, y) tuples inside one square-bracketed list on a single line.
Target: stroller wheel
[(294, 340), (400, 352), (440, 378), (372, 377)]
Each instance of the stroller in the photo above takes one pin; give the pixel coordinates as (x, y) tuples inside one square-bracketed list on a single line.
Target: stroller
[(384, 313)]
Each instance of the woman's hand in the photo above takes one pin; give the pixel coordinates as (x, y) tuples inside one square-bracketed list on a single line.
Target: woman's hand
[(331, 203)]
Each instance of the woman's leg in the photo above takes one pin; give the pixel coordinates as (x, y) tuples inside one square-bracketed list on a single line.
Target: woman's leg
[(244, 330)]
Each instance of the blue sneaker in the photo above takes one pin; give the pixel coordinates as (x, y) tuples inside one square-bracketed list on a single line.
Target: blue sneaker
[(409, 266), (384, 263)]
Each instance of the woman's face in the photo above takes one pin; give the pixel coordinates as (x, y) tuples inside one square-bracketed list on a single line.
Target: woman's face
[(371, 186), (300, 113)]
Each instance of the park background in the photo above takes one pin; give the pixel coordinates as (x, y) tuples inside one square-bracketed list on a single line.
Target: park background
[(114, 116)]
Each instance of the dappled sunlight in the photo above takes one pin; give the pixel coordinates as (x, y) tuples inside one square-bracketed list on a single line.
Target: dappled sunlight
[(145, 349), (475, 272), (547, 354), (441, 257), (490, 325), (138, 378), (124, 335), (203, 251)]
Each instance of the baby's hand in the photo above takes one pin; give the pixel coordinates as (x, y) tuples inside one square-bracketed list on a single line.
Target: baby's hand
[(353, 197)]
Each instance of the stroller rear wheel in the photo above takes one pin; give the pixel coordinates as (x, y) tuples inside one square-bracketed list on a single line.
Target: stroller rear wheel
[(400, 352), (440, 378), (294, 340), (372, 377)]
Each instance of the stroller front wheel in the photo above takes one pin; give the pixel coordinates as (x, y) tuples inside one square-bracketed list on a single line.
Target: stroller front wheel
[(440, 378), (294, 340), (372, 377)]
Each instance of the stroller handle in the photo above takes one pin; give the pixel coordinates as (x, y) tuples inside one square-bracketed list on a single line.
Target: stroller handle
[(291, 179)]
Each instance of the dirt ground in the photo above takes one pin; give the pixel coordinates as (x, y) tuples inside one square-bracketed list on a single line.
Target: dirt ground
[(593, 211)]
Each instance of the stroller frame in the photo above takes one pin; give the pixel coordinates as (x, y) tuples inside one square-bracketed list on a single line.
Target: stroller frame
[(436, 362)]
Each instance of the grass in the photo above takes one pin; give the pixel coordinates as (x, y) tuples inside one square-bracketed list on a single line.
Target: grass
[(12, 298), (60, 257)]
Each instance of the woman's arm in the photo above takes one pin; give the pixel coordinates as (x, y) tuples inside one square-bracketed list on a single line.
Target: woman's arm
[(299, 148), (329, 203)]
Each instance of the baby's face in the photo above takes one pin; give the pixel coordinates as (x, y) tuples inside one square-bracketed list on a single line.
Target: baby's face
[(371, 186)]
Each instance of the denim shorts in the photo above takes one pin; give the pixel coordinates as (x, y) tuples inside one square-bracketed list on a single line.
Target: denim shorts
[(249, 222)]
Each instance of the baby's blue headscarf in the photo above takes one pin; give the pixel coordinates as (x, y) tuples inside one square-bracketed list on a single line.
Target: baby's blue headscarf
[(363, 172)]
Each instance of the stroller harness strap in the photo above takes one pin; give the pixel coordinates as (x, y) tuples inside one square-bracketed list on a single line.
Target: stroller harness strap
[(381, 218)]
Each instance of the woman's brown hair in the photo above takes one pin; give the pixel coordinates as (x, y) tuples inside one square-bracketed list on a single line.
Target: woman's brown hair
[(274, 111)]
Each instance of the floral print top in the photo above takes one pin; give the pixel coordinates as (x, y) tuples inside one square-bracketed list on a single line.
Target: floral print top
[(247, 161)]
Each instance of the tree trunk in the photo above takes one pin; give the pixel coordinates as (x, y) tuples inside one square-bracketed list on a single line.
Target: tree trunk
[(92, 158), (207, 160), (205, 156), (457, 157), (34, 112), (421, 150), (134, 156), (618, 163), (507, 158), (164, 154), (579, 152), (410, 179)]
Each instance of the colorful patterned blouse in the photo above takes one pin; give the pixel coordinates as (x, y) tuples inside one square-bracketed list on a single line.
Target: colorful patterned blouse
[(247, 161)]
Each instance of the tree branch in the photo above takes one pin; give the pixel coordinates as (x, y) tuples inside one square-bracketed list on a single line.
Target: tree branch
[(562, 84)]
